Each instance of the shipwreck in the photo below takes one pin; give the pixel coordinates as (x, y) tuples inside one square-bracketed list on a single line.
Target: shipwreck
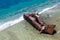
[(35, 20)]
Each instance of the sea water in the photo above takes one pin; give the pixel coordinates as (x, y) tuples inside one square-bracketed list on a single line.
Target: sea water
[(12, 10)]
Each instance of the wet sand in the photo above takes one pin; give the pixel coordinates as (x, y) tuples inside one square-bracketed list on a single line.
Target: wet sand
[(25, 31)]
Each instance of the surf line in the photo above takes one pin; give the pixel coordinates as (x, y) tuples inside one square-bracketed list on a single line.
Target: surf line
[(46, 9), (13, 22), (10, 23)]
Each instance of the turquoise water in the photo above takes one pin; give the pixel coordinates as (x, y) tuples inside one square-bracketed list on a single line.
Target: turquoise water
[(8, 9)]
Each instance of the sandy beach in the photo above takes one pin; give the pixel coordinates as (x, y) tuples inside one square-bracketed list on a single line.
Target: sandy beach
[(25, 31)]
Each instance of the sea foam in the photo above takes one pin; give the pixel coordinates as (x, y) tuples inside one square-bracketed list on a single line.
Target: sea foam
[(10, 23), (13, 22), (46, 9)]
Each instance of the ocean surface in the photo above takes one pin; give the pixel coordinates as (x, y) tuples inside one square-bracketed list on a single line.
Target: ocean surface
[(12, 10)]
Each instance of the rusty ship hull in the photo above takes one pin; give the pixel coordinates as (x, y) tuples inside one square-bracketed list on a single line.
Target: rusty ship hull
[(36, 21)]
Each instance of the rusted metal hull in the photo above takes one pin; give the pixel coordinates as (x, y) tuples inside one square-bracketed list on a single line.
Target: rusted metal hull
[(38, 23)]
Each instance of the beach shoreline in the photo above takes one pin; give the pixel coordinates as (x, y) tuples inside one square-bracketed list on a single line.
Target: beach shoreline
[(13, 22), (20, 29)]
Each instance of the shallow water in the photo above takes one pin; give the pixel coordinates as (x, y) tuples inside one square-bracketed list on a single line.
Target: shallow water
[(23, 31)]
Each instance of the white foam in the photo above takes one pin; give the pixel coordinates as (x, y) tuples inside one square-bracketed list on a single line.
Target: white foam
[(10, 23), (46, 9)]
